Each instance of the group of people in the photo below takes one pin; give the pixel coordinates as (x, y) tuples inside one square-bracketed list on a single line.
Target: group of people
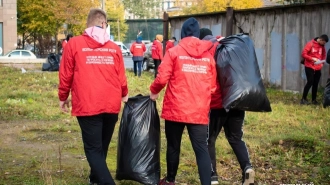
[(138, 48), (92, 69), (193, 100)]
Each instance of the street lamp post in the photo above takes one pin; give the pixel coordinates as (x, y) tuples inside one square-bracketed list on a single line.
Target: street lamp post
[(103, 5)]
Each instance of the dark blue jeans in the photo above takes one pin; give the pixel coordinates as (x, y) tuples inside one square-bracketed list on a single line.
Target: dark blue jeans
[(198, 137), (137, 67), (96, 133), (232, 122)]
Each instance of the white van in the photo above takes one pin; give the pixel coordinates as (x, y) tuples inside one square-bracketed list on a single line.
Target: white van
[(124, 49)]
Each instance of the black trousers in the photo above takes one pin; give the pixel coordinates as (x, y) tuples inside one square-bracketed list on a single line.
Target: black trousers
[(313, 78), (157, 63), (198, 137), (232, 122), (96, 135)]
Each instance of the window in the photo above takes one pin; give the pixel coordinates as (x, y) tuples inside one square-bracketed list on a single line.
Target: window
[(14, 54), (124, 47), (25, 54)]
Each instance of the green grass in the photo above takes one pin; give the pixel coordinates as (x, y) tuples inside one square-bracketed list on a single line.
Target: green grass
[(41, 145)]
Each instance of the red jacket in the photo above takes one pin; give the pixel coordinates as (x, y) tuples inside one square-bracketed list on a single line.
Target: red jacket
[(137, 49), (95, 75), (189, 72), (216, 99), (169, 44), (157, 50), (64, 42), (313, 50)]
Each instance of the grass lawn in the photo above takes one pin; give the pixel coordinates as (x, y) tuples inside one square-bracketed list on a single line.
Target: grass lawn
[(40, 145)]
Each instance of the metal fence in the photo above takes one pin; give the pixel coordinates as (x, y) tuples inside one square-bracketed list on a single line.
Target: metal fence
[(279, 34), (149, 28)]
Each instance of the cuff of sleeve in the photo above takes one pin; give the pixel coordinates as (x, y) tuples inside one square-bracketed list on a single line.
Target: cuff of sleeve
[(153, 91), (125, 92)]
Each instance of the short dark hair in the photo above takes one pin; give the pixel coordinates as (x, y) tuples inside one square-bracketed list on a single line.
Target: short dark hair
[(174, 38), (69, 36), (324, 37)]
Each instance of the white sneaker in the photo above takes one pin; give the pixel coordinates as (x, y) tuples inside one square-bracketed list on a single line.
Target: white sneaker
[(248, 178), (214, 180)]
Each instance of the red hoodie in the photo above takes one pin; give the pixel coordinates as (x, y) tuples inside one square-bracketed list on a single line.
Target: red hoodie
[(157, 50), (216, 99), (169, 45), (95, 75), (313, 50), (190, 74)]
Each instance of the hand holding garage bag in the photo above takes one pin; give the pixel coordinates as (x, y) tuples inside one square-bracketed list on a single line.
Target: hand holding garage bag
[(239, 75), (138, 156)]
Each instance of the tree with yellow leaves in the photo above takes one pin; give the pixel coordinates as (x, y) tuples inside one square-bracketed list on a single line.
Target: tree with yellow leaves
[(204, 6), (115, 12), (44, 17)]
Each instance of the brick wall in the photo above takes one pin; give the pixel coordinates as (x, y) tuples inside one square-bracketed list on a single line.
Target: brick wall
[(8, 18)]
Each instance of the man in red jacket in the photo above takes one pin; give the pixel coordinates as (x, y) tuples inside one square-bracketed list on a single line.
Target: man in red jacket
[(231, 121), (313, 52), (188, 70), (137, 49), (92, 68), (170, 44), (157, 52)]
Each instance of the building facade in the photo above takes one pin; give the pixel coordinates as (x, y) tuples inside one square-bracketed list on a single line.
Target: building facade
[(164, 6), (8, 25)]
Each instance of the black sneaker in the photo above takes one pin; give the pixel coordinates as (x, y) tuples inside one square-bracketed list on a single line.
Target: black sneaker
[(214, 180), (314, 102), (304, 102), (248, 176)]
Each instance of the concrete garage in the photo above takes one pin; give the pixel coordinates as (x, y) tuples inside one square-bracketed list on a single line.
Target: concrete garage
[(8, 25)]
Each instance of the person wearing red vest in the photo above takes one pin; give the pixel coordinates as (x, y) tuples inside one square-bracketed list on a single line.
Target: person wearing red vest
[(188, 71), (312, 53), (157, 52), (92, 69), (137, 49), (170, 43), (231, 121)]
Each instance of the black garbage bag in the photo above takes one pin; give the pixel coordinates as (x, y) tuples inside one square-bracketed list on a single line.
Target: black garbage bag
[(239, 75), (54, 60), (46, 67), (138, 154), (326, 95)]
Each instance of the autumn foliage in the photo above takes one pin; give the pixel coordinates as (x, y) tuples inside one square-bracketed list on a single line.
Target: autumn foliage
[(205, 6)]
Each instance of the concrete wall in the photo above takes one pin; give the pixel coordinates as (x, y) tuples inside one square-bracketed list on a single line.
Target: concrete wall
[(8, 18), (279, 34), (24, 61)]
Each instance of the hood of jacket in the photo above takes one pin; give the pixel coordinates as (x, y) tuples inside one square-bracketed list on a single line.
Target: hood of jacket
[(211, 38), (99, 37), (195, 47), (155, 42)]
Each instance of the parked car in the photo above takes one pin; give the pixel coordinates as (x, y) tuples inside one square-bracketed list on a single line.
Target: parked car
[(148, 62), (124, 49), (19, 54)]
